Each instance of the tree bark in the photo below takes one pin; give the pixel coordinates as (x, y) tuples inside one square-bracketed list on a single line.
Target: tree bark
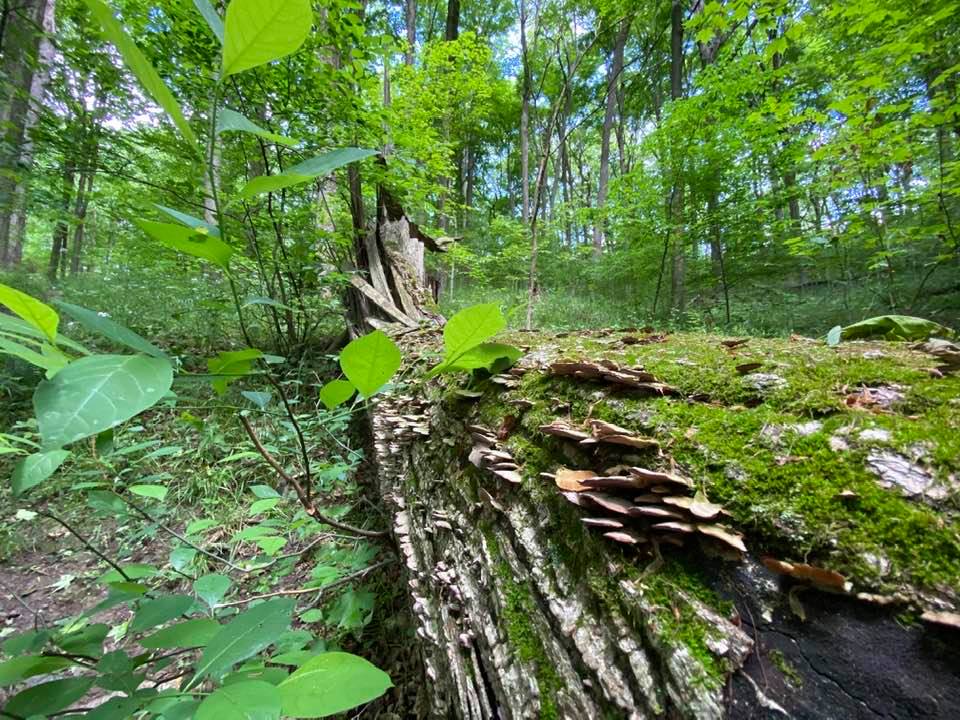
[(61, 231), (26, 55), (452, 31), (678, 286), (613, 79), (410, 8)]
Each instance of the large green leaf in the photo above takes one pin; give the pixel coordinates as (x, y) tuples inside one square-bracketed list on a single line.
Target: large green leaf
[(188, 634), (36, 468), (331, 683), (52, 362), (245, 635), (336, 393), (20, 668), (370, 361), (470, 327), (251, 700), (212, 588), (16, 326), (156, 612), (231, 365), (188, 240), (229, 120), (305, 171), (98, 392), (109, 329), (259, 31), (214, 21), (141, 67), (48, 698), (201, 226), (40, 315), (895, 327), (490, 356)]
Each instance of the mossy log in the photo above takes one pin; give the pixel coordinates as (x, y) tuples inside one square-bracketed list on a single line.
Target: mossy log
[(837, 466)]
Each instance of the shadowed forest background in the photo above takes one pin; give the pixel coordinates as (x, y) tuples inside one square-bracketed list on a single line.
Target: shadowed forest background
[(763, 167)]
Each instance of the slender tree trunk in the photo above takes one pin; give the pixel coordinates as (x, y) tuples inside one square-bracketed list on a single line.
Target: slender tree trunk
[(678, 278), (453, 20), (613, 77), (62, 229), (411, 18)]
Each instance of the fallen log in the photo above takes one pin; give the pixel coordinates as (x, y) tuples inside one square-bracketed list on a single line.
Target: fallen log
[(530, 603)]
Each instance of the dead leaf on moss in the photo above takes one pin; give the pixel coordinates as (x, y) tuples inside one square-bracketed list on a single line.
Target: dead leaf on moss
[(571, 480), (749, 367), (506, 427), (734, 343), (627, 537)]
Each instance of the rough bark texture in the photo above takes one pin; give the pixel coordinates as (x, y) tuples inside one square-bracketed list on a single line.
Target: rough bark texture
[(522, 612)]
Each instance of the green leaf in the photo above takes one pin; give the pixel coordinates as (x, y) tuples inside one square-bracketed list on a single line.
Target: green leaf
[(201, 226), (245, 635), (214, 21), (490, 356), (231, 365), (336, 393), (88, 640), (262, 506), (96, 393), (188, 634), (305, 171), (157, 492), (331, 683), (27, 642), (20, 668), (833, 337), (252, 700), (16, 326), (48, 698), (470, 327), (270, 545), (895, 327), (260, 399), (260, 31), (370, 361), (140, 67), (134, 571), (230, 120), (156, 612), (181, 557), (264, 491), (188, 241), (39, 315), (36, 468), (109, 329), (52, 363), (200, 525), (212, 588)]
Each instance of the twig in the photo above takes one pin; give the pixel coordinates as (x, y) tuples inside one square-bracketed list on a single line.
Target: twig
[(86, 543), (298, 488), (184, 540), (321, 590)]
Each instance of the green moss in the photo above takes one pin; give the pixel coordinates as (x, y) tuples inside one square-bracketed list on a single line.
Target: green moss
[(788, 671)]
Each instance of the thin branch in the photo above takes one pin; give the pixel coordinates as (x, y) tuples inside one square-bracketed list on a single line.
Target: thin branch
[(321, 590), (302, 496), (86, 543)]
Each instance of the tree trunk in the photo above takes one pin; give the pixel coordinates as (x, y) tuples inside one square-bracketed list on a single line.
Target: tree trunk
[(453, 20), (411, 26), (523, 611), (613, 79), (23, 76), (62, 229), (678, 285)]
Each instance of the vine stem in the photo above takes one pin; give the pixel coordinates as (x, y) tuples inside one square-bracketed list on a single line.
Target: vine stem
[(86, 543)]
